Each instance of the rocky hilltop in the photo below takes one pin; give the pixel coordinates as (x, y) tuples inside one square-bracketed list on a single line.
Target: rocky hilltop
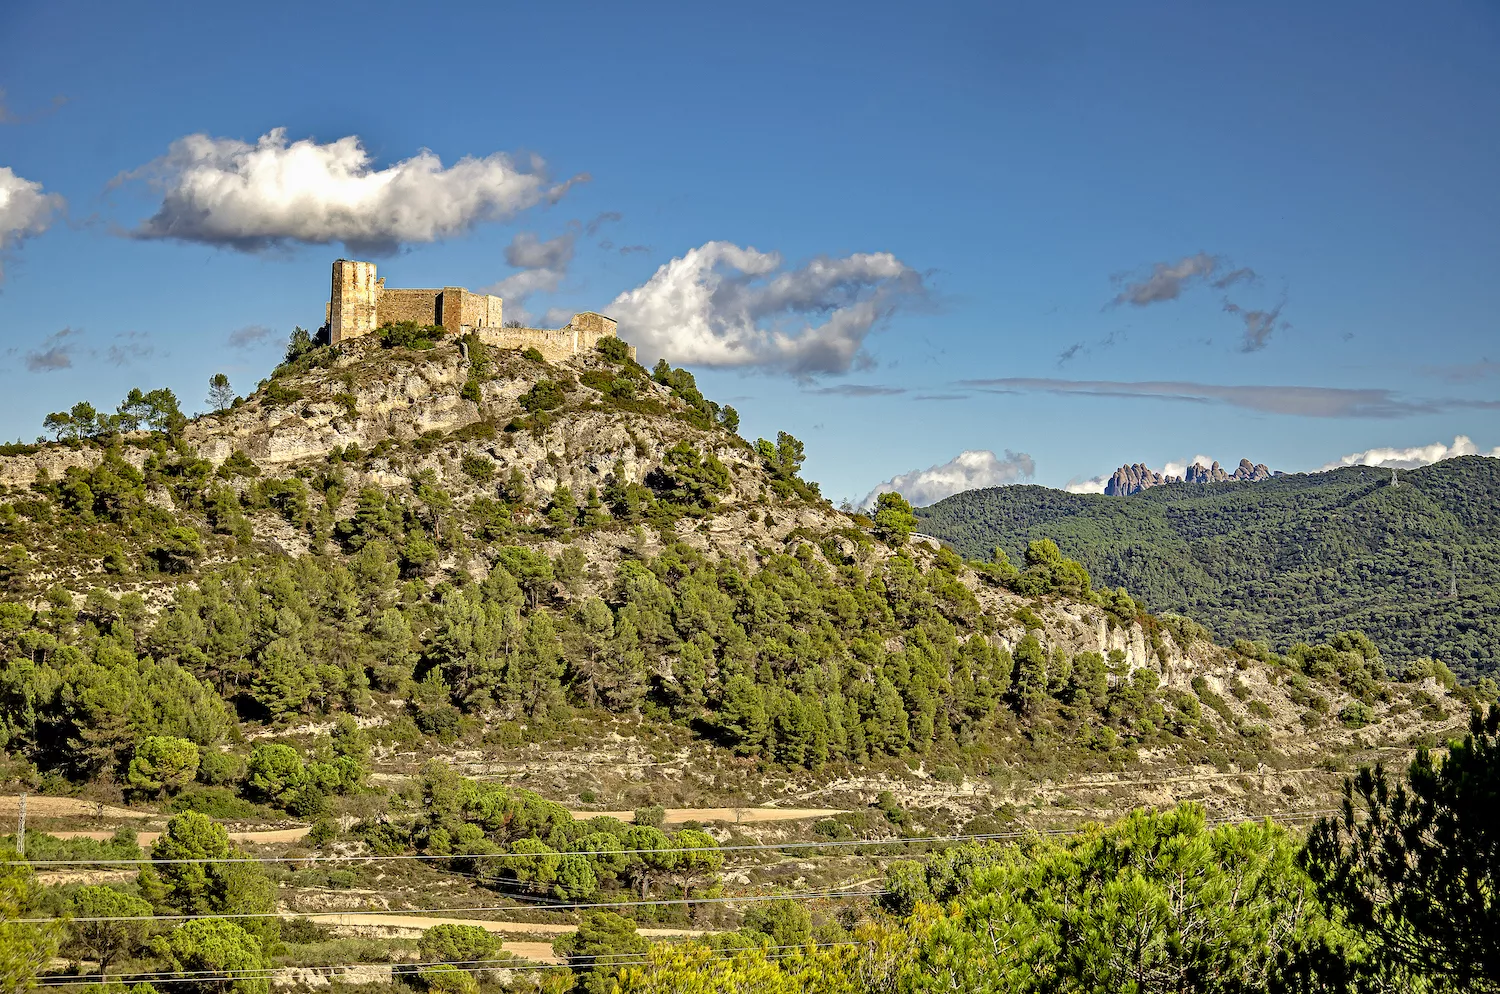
[(458, 544), (1132, 479)]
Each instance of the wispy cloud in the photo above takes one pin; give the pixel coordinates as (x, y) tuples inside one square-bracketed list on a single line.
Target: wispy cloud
[(723, 305), (1412, 457), (1077, 349), (1167, 281), (250, 197), (968, 470), (859, 390), (634, 249), (8, 116), (1468, 372), (129, 347), (56, 352), (249, 336), (1313, 402), (941, 396), (600, 220), (1258, 324)]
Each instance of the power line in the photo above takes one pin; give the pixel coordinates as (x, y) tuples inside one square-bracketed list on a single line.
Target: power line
[(400, 968), (580, 906), (606, 958), (744, 847), (490, 909)]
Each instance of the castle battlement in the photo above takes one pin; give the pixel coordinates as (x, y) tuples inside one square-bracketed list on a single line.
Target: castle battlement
[(359, 303)]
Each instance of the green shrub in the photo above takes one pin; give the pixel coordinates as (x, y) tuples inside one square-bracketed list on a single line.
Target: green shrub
[(409, 335), (162, 763), (322, 832), (614, 349), (449, 980), (280, 394), (830, 828), (303, 931), (457, 944), (1356, 714), (216, 802), (238, 464), (545, 395), (479, 431), (652, 816), (477, 468), (1029, 618)]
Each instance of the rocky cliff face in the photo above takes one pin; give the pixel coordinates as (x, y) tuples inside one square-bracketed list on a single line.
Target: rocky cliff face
[(1130, 479)]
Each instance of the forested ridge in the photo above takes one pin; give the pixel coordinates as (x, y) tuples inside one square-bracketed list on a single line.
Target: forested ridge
[(1296, 558)]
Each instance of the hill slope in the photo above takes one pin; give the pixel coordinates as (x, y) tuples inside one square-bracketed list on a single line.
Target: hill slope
[(465, 547), (1294, 558)]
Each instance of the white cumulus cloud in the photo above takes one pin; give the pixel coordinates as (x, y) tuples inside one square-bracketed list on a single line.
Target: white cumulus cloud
[(969, 470), (1411, 458), (723, 305), (1093, 485), (222, 191), (1179, 468), (24, 209)]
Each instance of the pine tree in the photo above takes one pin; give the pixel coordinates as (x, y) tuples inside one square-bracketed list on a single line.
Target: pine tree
[(220, 393), (1029, 685)]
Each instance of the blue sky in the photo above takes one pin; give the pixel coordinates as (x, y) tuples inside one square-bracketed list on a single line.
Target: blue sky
[(943, 201)]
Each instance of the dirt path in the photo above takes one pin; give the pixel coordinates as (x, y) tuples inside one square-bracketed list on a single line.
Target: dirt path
[(267, 837), (420, 923), (362, 923), (738, 816), (57, 878), (66, 807)]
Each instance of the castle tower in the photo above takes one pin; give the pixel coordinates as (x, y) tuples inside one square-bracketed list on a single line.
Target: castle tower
[(352, 302)]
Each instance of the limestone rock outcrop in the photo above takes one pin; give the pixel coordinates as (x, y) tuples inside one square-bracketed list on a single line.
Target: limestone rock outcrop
[(1132, 479)]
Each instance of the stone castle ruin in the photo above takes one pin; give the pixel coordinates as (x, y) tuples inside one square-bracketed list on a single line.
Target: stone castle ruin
[(360, 303)]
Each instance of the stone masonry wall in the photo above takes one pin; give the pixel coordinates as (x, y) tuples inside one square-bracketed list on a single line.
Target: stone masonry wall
[(396, 306), (476, 310), (580, 335)]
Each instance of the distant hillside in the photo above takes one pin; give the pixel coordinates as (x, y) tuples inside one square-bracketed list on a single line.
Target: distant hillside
[(1291, 558)]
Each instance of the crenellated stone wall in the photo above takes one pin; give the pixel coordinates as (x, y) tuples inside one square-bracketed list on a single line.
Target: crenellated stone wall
[(360, 303)]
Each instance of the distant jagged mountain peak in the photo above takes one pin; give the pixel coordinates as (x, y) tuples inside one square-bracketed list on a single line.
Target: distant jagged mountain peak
[(1132, 479)]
